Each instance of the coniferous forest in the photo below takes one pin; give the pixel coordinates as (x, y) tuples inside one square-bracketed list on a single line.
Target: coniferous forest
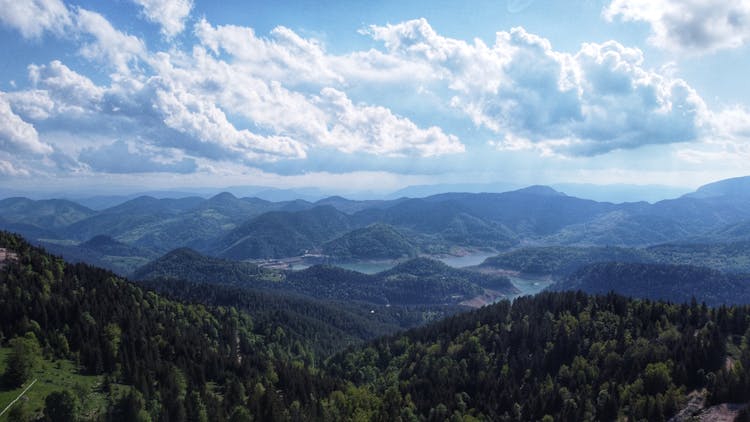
[(554, 356), (386, 211)]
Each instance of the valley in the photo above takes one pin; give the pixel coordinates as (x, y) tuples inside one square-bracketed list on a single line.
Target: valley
[(307, 306), (420, 211)]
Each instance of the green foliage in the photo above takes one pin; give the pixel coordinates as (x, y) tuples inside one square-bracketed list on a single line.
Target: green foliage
[(679, 283), (555, 356), (24, 354), (167, 350), (19, 413), (50, 213), (377, 241), (420, 281), (314, 328), (187, 264), (282, 234), (561, 260), (61, 406)]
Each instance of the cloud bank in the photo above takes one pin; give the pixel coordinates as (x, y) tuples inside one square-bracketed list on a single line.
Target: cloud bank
[(688, 26), (225, 97)]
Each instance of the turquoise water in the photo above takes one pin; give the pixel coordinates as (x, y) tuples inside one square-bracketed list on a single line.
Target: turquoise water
[(528, 286), (368, 267), (372, 267), (466, 260)]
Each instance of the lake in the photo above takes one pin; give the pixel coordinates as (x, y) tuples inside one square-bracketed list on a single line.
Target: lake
[(466, 260), (372, 267), (528, 286)]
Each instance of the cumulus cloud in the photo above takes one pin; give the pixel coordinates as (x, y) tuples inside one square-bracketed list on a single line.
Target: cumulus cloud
[(692, 26), (121, 157), (16, 135), (592, 102), (377, 130), (64, 89), (327, 119), (170, 14), (104, 43), (237, 97), (8, 169), (108, 46), (284, 56), (32, 18), (204, 121)]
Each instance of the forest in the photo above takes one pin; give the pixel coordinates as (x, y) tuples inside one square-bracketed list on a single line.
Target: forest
[(555, 356)]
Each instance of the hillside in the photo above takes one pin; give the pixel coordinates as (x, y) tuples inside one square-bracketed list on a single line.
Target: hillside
[(737, 186), (323, 326), (561, 260), (351, 230), (105, 252), (560, 355), (419, 281), (378, 241), (180, 360), (282, 234), (45, 214), (555, 356), (187, 264), (676, 283)]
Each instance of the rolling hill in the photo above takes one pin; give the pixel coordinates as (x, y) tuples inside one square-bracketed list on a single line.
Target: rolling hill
[(419, 281), (251, 228), (378, 241), (676, 283)]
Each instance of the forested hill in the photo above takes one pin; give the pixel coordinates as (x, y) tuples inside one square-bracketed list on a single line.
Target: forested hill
[(183, 361), (420, 281), (677, 283), (556, 357), (564, 356)]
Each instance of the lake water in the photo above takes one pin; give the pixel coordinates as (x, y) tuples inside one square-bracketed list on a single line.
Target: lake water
[(466, 260), (368, 267), (372, 267), (528, 286)]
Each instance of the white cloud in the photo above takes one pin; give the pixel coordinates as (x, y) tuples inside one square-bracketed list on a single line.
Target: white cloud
[(124, 157), (170, 14), (598, 100), (203, 120), (688, 26), (8, 169), (32, 18), (16, 135), (285, 56), (329, 119), (109, 46), (467, 67), (377, 130), (252, 100)]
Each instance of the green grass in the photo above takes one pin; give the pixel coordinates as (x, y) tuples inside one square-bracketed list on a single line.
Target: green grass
[(54, 376)]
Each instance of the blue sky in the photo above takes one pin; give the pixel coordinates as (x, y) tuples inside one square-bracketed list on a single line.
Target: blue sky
[(372, 95)]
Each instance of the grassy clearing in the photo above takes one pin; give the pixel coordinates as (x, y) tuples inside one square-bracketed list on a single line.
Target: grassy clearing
[(54, 376)]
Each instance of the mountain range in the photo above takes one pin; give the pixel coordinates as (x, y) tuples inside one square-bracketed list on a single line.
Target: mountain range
[(342, 229), (646, 316)]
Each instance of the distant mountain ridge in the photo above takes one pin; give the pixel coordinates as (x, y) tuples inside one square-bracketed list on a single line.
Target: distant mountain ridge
[(737, 186), (253, 228)]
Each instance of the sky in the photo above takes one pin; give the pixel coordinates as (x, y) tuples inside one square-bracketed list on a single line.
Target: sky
[(372, 96)]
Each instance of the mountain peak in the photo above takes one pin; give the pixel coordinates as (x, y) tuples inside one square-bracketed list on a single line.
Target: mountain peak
[(223, 197), (540, 190), (736, 186)]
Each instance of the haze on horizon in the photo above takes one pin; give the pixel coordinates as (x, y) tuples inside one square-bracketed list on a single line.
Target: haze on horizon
[(355, 96)]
